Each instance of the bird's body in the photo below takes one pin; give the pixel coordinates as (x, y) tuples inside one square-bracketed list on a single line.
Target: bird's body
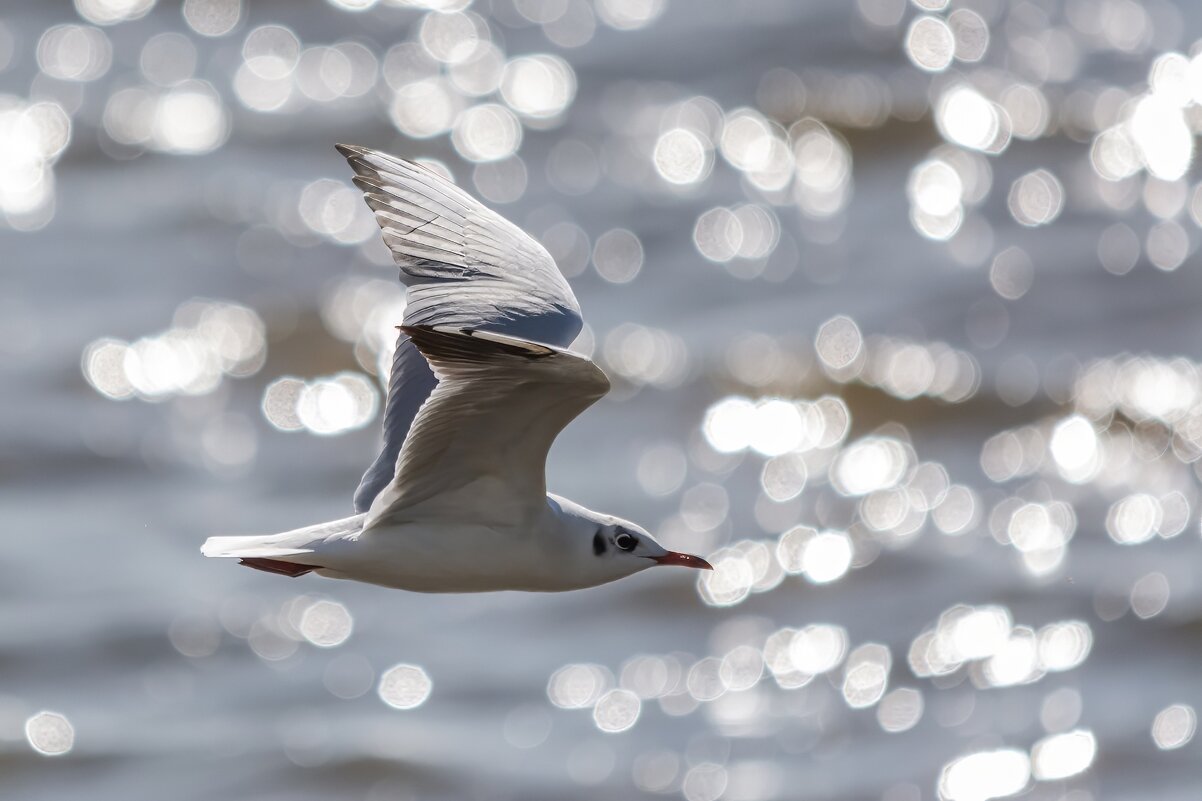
[(548, 552), (456, 501)]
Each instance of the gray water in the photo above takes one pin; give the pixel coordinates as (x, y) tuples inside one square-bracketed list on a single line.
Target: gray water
[(181, 677)]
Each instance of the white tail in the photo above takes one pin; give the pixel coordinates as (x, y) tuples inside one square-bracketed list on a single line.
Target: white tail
[(274, 546), (242, 547)]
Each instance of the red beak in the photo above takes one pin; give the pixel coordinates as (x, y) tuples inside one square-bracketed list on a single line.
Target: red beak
[(682, 559)]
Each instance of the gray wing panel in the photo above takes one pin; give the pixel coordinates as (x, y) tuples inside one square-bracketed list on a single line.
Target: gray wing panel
[(465, 266), (410, 384)]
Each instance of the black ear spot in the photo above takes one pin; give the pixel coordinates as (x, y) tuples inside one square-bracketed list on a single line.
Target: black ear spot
[(598, 544)]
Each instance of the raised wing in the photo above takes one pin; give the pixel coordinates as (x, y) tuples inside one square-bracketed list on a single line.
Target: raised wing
[(486, 428), (466, 267)]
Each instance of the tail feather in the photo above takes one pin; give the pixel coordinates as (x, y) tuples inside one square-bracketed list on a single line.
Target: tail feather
[(277, 553), (261, 547)]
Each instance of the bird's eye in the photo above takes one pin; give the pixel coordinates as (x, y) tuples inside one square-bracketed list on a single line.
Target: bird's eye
[(625, 541)]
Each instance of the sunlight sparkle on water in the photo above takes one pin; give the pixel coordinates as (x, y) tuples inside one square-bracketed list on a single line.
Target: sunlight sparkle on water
[(749, 231), (628, 15), (1150, 595), (822, 186), (870, 464), (271, 52), (1133, 519), (335, 211), (866, 675), (451, 37), (190, 119), (640, 354), (540, 86), (826, 557), (839, 342), (784, 477), (741, 668), (32, 137), (1074, 446), (704, 680), (770, 426), (50, 733), (423, 109), (1041, 533), (704, 782), (971, 32), (212, 17), (326, 406), (900, 710), (480, 73), (729, 582), (649, 676), (1064, 645), (109, 12), (935, 188), (74, 53), (968, 118), (1063, 755), (487, 132), (616, 711), (1036, 198), (209, 341), (578, 686), (980, 632), (818, 648), (930, 43), (326, 624), (404, 686), (682, 157), (1015, 662), (1174, 726), (618, 256), (336, 404), (985, 775)]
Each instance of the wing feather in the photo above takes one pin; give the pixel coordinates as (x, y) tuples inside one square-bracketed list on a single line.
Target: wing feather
[(466, 267), (488, 425)]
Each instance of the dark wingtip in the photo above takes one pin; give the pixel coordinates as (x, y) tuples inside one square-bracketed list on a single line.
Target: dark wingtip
[(447, 343), (349, 151), (365, 182)]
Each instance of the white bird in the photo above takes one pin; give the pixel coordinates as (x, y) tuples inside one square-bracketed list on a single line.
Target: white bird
[(481, 385)]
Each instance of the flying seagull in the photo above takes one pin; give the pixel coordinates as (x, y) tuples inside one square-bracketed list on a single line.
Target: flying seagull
[(482, 383)]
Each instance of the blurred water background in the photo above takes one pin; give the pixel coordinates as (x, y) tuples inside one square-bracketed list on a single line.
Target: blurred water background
[(899, 300)]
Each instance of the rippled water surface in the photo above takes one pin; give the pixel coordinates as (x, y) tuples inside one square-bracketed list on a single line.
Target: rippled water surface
[(899, 302)]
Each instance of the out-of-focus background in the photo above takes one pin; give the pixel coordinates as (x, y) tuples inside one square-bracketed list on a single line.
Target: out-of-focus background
[(900, 304)]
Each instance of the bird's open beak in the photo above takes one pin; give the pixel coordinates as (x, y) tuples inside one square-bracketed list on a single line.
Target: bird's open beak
[(682, 559)]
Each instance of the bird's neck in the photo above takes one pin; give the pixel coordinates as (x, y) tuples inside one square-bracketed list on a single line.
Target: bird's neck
[(565, 542)]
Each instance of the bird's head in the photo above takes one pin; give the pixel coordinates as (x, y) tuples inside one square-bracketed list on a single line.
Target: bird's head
[(630, 548), (614, 548)]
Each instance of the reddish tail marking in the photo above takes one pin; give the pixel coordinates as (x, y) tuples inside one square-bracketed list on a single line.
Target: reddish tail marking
[(279, 567)]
